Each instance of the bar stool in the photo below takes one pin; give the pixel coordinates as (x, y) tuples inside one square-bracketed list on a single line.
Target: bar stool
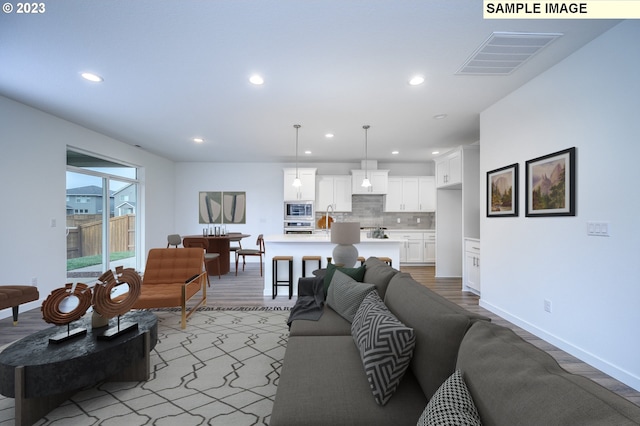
[(310, 258), (386, 260), (274, 275), (361, 260)]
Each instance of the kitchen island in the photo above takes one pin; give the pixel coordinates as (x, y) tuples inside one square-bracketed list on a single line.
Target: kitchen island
[(298, 245)]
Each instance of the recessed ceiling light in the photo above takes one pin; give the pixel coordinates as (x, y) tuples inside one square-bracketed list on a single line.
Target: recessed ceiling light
[(395, 152), (416, 80), (328, 135), (435, 152), (198, 140), (256, 79), (439, 116), (89, 76), (307, 152)]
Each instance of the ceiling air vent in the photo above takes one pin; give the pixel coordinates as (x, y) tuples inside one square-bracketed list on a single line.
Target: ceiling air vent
[(503, 52)]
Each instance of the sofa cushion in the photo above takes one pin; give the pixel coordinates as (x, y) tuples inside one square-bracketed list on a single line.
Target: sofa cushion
[(329, 324), (514, 382), (451, 405), (385, 345), (345, 295), (439, 329), (356, 273), (379, 274), (322, 383)]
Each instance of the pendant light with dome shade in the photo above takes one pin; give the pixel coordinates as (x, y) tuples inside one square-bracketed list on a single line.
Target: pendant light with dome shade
[(297, 182), (366, 183)]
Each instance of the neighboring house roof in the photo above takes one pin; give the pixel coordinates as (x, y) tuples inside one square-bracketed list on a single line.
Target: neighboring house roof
[(127, 203), (87, 190), (122, 189)]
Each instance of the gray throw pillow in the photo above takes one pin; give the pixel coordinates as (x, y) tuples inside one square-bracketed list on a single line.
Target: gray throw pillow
[(345, 294), (451, 405), (385, 344)]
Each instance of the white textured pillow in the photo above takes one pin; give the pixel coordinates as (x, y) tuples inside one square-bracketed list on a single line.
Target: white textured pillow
[(385, 345), (345, 294), (451, 405)]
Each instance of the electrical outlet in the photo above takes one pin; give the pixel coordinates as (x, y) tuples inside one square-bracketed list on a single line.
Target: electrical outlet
[(418, 220), (53, 223), (547, 305), (398, 220), (34, 281)]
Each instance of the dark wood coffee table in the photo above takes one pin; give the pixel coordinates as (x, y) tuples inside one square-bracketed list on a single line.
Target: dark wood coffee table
[(40, 375)]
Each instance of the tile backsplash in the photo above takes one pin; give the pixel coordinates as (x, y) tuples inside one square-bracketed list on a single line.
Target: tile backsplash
[(369, 211)]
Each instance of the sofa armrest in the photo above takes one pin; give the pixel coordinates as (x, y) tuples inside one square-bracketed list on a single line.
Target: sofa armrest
[(306, 285)]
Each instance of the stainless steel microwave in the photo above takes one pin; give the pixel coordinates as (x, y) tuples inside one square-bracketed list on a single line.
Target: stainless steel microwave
[(296, 210)]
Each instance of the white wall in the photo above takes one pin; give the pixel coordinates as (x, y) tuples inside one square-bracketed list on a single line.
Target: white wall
[(589, 101), (32, 171)]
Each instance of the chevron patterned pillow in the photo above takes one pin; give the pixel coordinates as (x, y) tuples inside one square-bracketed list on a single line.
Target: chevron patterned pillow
[(385, 345)]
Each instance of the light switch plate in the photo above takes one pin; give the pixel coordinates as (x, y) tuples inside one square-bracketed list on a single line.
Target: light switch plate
[(598, 229)]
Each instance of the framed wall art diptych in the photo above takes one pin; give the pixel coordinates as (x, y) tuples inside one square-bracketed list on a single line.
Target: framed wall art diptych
[(222, 207)]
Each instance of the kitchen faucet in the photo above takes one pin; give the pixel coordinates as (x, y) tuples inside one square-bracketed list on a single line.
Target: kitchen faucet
[(326, 217)]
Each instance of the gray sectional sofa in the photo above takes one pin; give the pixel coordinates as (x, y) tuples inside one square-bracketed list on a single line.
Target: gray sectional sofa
[(510, 381)]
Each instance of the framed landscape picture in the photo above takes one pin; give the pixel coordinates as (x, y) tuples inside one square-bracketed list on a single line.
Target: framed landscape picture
[(551, 183), (502, 192)]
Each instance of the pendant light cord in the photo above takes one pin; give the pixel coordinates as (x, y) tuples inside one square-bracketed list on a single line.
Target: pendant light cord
[(366, 151), (297, 126)]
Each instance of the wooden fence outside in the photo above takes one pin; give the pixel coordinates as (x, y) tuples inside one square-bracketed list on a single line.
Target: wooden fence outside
[(84, 236)]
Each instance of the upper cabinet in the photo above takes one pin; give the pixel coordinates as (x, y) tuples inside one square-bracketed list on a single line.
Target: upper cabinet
[(427, 194), (378, 179), (334, 191), (306, 191), (411, 194), (449, 170)]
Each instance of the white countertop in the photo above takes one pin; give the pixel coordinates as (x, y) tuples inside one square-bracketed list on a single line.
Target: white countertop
[(321, 238)]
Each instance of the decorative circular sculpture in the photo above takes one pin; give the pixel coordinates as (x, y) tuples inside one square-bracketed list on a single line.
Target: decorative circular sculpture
[(68, 304), (109, 306)]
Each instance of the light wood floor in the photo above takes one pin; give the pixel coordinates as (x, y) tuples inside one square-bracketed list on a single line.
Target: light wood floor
[(247, 290)]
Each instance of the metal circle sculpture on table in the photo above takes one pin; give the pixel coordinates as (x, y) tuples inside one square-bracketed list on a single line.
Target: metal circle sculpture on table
[(105, 304), (68, 304)]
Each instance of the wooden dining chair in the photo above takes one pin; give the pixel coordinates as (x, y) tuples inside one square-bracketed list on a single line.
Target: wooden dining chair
[(193, 242), (235, 241), (251, 252)]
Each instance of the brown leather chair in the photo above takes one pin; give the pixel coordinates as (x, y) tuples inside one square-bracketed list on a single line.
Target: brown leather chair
[(171, 278), (191, 242), (251, 252)]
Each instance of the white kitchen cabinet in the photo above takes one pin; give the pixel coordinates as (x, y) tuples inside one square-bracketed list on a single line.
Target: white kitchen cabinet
[(411, 194), (413, 248), (307, 191), (403, 194), (457, 208), (427, 193), (471, 278), (429, 241), (449, 169), (334, 191), (378, 179)]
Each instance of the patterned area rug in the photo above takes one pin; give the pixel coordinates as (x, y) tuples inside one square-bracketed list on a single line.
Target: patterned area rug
[(222, 370)]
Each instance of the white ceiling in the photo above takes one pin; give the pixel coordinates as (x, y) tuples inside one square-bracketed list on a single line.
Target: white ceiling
[(176, 69)]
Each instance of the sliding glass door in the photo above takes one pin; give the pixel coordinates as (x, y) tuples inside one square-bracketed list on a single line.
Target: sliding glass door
[(101, 199)]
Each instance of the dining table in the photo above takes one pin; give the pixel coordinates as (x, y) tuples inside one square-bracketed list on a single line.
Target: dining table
[(220, 244)]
